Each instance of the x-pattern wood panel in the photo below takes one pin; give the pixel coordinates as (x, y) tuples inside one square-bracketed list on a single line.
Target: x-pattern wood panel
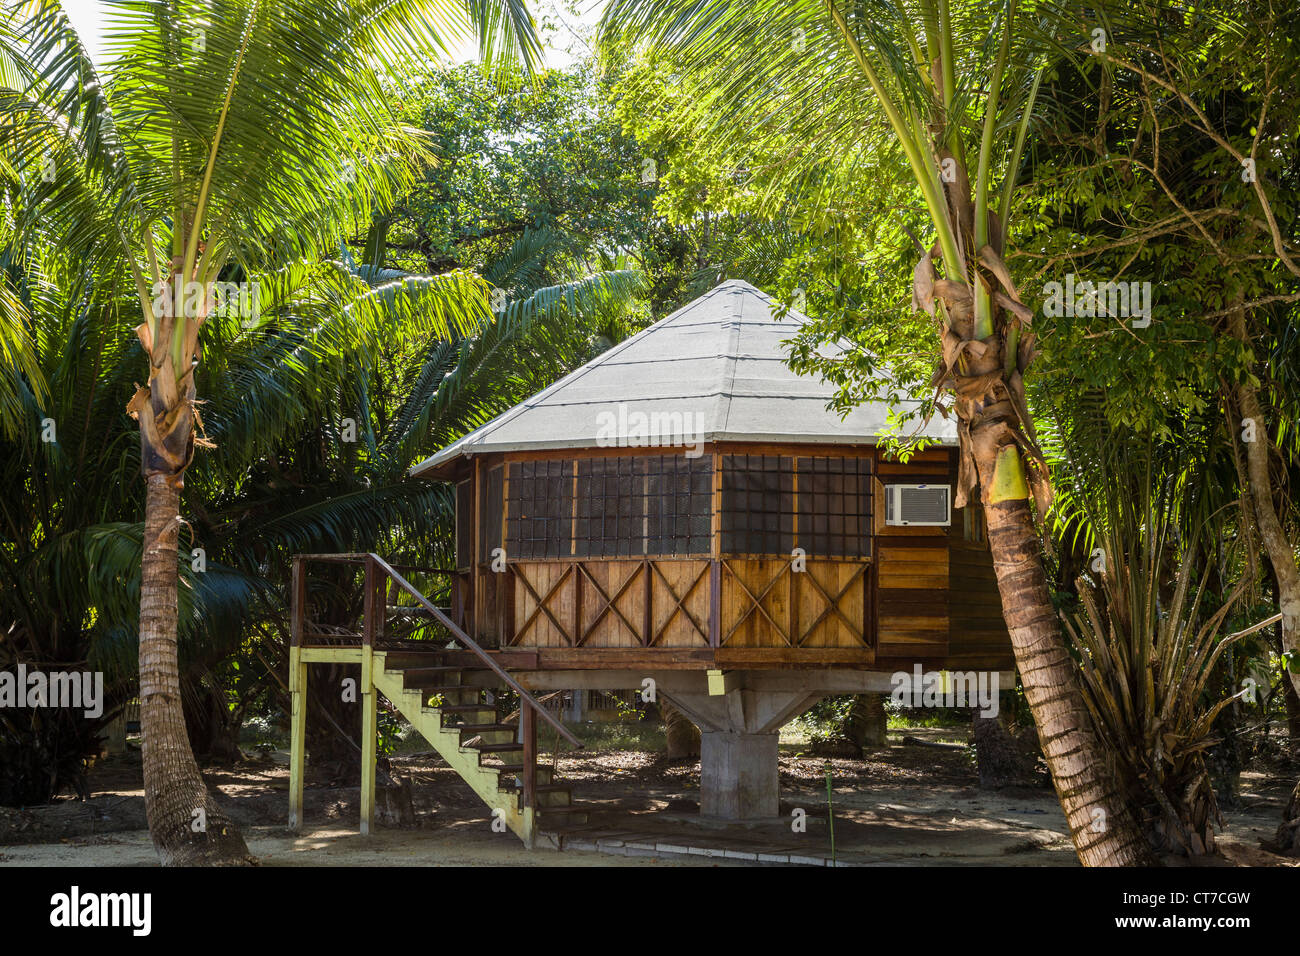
[(607, 596), (797, 635), (756, 602), (611, 603), (542, 605), (833, 605), (679, 604)]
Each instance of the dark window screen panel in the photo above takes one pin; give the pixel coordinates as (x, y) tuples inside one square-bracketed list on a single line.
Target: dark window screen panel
[(610, 508), (835, 506), (757, 504), (679, 504), (464, 524), (539, 520), (633, 506), (490, 504)]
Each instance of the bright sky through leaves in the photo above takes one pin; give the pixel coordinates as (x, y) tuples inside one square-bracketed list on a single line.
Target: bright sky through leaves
[(565, 34)]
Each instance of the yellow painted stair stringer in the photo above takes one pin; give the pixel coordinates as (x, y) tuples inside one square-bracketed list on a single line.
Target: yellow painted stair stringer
[(485, 781)]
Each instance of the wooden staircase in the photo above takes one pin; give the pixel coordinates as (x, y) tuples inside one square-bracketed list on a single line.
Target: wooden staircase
[(415, 655), (445, 703)]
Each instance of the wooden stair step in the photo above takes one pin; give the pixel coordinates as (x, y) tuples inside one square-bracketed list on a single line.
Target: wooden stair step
[(409, 658), (486, 728), (549, 796), (563, 815), (511, 747), (517, 768), (542, 787), (466, 708), (427, 673), (330, 636), (483, 678), (444, 690)]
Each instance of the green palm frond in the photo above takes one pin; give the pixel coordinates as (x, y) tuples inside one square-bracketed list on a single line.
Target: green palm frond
[(507, 33), (317, 324), (327, 519), (526, 262), (19, 369)]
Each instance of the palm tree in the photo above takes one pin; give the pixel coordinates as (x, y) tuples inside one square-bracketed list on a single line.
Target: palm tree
[(230, 135), (282, 392), (1158, 513), (69, 524), (329, 343), (950, 87)]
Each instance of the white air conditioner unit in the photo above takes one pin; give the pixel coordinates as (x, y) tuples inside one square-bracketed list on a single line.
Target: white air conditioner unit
[(918, 505)]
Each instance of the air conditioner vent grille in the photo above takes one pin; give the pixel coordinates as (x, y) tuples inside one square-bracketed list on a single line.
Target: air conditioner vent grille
[(924, 504), (918, 505)]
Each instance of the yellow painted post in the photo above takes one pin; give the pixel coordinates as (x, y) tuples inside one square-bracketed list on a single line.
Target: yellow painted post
[(297, 735), (369, 738), (372, 617)]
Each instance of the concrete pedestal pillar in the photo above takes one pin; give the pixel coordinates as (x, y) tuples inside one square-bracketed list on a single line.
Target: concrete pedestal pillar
[(739, 776)]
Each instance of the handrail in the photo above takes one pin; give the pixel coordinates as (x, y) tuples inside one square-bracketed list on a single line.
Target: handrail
[(472, 645)]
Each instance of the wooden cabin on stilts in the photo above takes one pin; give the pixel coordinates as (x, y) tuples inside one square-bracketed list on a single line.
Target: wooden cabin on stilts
[(682, 514)]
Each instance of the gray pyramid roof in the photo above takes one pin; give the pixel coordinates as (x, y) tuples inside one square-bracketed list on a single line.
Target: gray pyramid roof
[(718, 359)]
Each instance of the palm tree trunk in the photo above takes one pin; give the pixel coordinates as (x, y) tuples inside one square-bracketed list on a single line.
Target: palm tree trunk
[(1281, 556), (1291, 701), (187, 827), (995, 425), (1102, 825)]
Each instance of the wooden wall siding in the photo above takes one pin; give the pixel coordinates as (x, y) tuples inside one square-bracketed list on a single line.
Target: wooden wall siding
[(913, 596), (978, 636), (461, 587), (498, 590), (766, 604), (611, 604), (912, 571)]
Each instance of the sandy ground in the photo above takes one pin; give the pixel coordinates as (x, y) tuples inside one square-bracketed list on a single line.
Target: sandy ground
[(902, 805), (331, 846)]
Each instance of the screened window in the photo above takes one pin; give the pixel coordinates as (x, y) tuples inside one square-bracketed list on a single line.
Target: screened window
[(643, 505), (834, 497), (646, 505), (539, 521), (610, 508), (617, 506), (757, 504), (679, 505), (490, 503), (772, 504)]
